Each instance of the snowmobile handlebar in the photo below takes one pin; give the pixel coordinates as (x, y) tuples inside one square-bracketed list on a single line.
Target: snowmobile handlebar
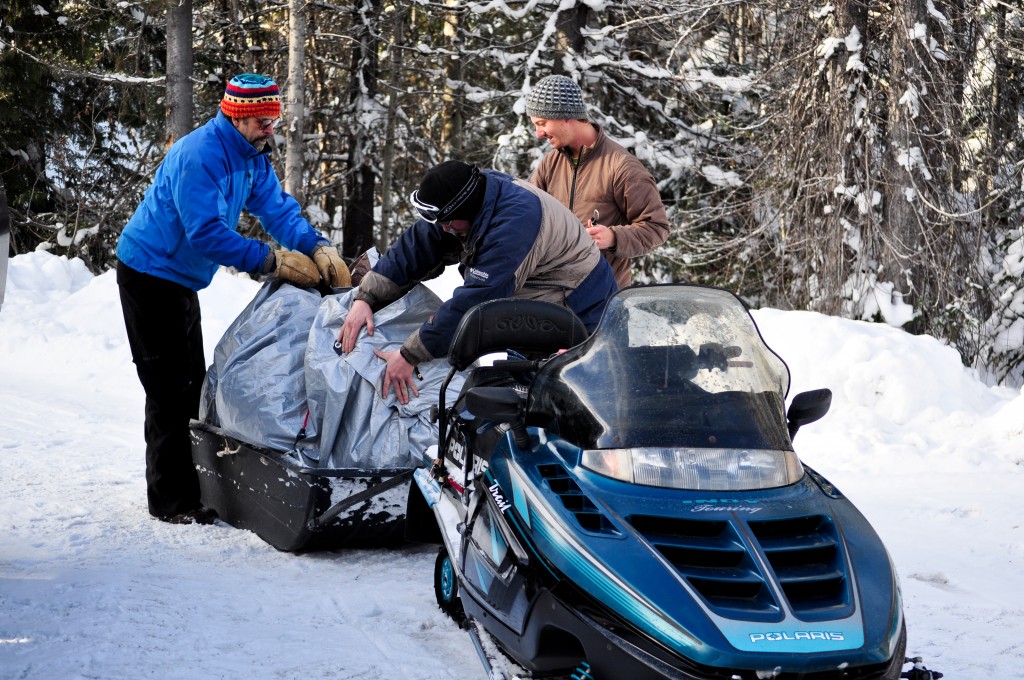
[(502, 404)]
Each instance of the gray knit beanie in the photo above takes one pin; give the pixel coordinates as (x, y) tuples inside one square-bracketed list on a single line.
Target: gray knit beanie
[(556, 98)]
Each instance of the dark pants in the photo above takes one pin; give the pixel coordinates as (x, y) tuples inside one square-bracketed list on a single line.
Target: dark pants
[(166, 338)]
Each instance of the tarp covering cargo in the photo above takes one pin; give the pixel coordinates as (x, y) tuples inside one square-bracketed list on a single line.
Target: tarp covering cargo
[(279, 360), (294, 440)]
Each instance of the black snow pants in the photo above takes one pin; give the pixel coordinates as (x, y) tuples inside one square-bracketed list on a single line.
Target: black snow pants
[(166, 338)]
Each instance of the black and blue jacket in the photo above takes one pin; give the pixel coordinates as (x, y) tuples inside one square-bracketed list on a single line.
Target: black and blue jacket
[(522, 244)]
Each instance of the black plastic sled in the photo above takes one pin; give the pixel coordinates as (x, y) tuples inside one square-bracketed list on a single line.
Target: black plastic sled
[(296, 508)]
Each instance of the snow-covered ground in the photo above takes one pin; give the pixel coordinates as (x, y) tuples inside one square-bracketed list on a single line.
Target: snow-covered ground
[(92, 587)]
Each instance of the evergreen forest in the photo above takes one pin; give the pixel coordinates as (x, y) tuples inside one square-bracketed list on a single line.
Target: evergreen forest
[(859, 158)]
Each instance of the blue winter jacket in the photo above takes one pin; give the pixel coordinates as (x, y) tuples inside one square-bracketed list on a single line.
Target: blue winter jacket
[(185, 226), (523, 243)]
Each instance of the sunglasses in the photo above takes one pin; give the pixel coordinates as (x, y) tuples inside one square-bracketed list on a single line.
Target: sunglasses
[(266, 125)]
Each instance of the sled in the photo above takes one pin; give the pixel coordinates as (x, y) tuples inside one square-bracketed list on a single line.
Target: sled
[(293, 441), (296, 508)]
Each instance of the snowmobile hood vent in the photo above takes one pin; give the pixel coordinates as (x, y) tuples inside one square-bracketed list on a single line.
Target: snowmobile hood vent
[(587, 515), (804, 553), (714, 561), (807, 557)]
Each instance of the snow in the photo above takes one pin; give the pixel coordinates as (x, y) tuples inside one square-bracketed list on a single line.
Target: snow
[(92, 587), (887, 301), (721, 178)]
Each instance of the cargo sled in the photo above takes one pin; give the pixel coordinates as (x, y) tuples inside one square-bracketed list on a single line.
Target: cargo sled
[(293, 440), (294, 507)]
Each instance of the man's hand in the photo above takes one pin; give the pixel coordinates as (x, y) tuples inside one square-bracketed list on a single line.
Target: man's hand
[(332, 268), (295, 268), (602, 235), (398, 374), (359, 315)]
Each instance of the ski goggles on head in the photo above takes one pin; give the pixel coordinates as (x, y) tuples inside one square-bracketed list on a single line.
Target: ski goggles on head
[(427, 212), (433, 214)]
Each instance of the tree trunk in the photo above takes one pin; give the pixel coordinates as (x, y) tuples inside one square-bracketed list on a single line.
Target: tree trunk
[(921, 245), (357, 230), (179, 110), (848, 153), (570, 31), (387, 178), (901, 222), (452, 135), (295, 102)]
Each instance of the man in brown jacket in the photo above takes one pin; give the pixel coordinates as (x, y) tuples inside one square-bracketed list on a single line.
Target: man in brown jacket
[(606, 186)]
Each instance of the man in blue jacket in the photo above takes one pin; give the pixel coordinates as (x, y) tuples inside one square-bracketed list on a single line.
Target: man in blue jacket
[(183, 230), (511, 239)]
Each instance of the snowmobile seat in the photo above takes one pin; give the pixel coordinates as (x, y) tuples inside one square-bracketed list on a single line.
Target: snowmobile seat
[(526, 329), (532, 328)]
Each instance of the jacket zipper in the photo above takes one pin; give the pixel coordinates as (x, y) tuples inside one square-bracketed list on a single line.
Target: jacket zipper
[(575, 171)]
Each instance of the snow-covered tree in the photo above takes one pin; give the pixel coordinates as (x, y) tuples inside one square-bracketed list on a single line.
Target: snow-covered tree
[(853, 157)]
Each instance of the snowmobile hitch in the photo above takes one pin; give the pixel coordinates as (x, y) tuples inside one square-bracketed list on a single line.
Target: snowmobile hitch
[(919, 672), (439, 472)]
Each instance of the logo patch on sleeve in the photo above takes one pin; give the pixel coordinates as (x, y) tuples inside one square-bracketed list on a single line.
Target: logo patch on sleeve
[(478, 274)]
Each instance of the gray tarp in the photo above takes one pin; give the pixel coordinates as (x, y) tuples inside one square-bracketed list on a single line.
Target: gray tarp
[(255, 387), (278, 358)]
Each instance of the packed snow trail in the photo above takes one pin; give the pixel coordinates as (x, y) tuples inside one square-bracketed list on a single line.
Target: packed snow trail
[(92, 587)]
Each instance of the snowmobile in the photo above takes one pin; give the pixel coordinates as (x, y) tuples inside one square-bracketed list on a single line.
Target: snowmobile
[(629, 504)]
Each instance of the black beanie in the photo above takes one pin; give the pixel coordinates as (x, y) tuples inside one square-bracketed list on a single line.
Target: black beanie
[(455, 188)]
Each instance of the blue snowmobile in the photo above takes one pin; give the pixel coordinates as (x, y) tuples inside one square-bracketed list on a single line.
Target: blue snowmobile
[(628, 504)]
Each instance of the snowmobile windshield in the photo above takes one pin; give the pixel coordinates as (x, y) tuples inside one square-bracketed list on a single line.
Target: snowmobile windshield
[(676, 372)]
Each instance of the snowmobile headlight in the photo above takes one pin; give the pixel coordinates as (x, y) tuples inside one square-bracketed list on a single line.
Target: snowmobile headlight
[(697, 469)]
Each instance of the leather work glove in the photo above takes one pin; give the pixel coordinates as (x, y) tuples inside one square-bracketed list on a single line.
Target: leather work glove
[(295, 268), (332, 268)]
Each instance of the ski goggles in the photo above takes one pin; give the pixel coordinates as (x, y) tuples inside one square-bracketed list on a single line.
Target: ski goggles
[(432, 213)]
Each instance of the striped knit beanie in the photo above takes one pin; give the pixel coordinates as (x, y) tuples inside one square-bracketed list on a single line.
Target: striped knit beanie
[(251, 95), (556, 98)]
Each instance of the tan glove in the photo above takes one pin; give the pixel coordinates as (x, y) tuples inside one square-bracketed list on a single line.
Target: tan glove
[(332, 268), (296, 268)]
